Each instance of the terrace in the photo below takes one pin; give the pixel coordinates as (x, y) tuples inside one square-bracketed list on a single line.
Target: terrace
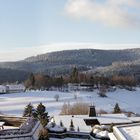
[(126, 132), (18, 127)]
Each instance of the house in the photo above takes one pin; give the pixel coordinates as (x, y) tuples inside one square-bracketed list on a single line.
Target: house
[(13, 88), (19, 128), (3, 89)]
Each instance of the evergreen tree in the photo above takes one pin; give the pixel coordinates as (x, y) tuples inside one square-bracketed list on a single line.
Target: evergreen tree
[(40, 109), (74, 76), (28, 111), (38, 113), (92, 80), (32, 79), (41, 114), (117, 109)]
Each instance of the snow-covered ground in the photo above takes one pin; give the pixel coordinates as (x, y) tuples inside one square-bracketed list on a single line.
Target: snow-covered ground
[(15, 103)]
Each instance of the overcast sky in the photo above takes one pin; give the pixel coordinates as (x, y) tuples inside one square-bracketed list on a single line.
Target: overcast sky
[(31, 27)]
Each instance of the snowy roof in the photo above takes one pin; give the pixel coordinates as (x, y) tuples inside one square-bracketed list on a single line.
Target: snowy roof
[(113, 118), (77, 121), (108, 118), (111, 136), (2, 87), (128, 132), (134, 119)]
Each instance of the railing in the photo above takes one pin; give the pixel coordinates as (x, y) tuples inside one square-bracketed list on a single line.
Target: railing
[(81, 135)]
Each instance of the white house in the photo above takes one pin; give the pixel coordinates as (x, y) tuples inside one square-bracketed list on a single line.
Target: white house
[(3, 89), (12, 88), (15, 88)]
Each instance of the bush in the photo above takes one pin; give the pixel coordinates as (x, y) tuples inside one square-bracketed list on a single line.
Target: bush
[(78, 108), (61, 124), (56, 97)]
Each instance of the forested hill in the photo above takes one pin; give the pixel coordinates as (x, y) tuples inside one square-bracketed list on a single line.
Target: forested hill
[(9, 75), (62, 62)]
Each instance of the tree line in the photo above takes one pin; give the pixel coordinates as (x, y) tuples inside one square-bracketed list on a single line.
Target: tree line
[(41, 81)]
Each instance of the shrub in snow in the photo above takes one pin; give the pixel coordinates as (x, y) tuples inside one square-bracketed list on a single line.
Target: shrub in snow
[(78, 129), (71, 126), (53, 123), (52, 127), (56, 97), (61, 124), (57, 128)]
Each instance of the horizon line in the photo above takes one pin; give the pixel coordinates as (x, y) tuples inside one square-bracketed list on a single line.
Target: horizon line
[(18, 54)]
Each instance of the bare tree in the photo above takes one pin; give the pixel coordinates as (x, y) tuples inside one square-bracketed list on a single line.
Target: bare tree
[(102, 91), (76, 95)]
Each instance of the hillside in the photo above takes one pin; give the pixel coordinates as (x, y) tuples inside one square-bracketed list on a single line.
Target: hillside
[(62, 62), (120, 68), (9, 75)]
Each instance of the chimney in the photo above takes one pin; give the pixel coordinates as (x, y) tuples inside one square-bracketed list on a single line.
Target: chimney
[(92, 111)]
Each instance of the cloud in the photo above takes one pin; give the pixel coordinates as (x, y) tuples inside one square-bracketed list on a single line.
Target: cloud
[(108, 12)]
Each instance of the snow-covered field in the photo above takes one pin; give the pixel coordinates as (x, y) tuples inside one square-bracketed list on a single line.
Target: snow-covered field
[(15, 103)]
